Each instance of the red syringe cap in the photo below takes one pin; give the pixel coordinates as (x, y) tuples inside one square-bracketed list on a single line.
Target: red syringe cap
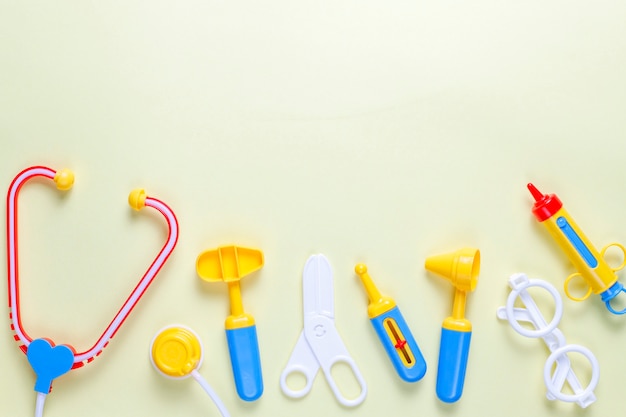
[(546, 205)]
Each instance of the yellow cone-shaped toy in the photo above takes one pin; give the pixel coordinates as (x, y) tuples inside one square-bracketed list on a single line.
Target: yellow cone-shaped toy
[(461, 269)]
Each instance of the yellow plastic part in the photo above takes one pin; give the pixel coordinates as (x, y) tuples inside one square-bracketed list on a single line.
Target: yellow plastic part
[(461, 268), (64, 179), (176, 351), (230, 264), (379, 304), (600, 278), (137, 198), (569, 294)]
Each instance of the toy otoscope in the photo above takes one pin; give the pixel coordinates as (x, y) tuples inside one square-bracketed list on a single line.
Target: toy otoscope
[(461, 269), (598, 275), (393, 331)]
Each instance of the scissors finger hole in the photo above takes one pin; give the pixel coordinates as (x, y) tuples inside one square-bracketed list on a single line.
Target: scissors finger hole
[(346, 380), (296, 381)]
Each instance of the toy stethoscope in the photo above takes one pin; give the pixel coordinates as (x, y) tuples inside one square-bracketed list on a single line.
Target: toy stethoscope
[(48, 360)]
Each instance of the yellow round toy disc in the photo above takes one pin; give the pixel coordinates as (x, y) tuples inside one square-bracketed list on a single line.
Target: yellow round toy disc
[(176, 351)]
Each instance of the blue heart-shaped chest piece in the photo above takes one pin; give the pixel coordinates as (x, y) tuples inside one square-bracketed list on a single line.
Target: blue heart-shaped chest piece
[(48, 362)]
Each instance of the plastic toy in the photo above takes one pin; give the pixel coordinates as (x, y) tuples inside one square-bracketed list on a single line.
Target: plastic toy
[(393, 331), (598, 275), (230, 264), (319, 344), (176, 352), (49, 361), (461, 268), (553, 337)]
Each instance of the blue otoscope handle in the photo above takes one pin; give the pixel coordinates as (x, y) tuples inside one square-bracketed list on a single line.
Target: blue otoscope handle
[(453, 355), (415, 368), (243, 347)]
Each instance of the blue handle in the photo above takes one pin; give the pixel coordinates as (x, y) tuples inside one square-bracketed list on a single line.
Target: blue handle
[(243, 347), (400, 345), (610, 294), (453, 354)]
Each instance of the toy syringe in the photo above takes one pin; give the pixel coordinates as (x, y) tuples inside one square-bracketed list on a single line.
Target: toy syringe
[(590, 264)]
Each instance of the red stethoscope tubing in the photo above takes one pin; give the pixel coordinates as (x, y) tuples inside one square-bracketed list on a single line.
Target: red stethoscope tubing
[(16, 324)]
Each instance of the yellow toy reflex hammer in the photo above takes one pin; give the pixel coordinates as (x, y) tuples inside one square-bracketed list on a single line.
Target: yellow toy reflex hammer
[(590, 264)]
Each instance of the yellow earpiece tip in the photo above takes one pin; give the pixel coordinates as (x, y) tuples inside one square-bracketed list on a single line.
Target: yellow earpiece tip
[(176, 351), (360, 269), (137, 198), (64, 179)]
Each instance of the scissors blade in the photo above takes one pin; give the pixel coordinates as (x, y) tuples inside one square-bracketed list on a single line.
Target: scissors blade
[(317, 287)]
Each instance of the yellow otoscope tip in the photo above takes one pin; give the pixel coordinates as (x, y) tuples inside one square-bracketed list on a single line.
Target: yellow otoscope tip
[(176, 351)]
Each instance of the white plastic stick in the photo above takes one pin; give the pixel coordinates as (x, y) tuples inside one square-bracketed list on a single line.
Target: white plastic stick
[(41, 399), (209, 390)]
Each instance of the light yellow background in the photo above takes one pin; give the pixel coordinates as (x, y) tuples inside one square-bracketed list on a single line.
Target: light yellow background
[(376, 132)]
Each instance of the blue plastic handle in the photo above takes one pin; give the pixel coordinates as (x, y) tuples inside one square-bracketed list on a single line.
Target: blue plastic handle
[(243, 347), (411, 372), (453, 354)]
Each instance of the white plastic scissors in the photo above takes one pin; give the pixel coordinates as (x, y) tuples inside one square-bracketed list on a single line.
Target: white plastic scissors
[(319, 344)]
